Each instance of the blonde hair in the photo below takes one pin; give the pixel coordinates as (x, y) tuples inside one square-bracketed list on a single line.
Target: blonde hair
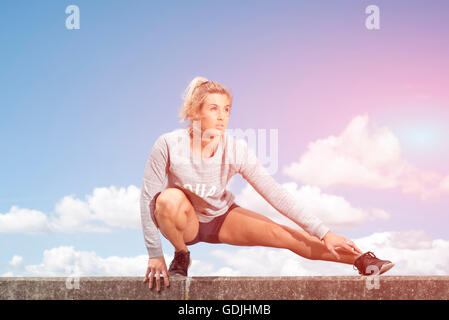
[(195, 94)]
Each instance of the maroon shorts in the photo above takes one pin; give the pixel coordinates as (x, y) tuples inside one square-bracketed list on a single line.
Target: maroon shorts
[(208, 232)]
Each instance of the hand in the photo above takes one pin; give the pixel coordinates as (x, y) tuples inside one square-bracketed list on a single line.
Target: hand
[(334, 241), (157, 267)]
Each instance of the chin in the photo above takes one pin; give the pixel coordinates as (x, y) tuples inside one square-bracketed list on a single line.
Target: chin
[(213, 132)]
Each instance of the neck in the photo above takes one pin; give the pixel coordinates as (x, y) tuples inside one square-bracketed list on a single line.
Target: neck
[(208, 147)]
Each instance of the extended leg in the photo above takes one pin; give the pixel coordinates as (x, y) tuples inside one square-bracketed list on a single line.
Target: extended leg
[(243, 227)]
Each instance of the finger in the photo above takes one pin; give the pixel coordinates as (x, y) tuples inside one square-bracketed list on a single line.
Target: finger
[(335, 253), (353, 246), (166, 276), (357, 249), (332, 250), (146, 276), (151, 279), (158, 281), (348, 248)]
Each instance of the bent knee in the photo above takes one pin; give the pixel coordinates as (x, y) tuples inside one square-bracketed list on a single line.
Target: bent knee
[(169, 202)]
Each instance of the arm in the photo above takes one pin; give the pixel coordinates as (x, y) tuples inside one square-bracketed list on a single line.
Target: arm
[(283, 201), (153, 180)]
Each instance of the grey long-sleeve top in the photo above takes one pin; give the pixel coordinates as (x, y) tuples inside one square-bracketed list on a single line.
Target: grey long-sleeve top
[(172, 162)]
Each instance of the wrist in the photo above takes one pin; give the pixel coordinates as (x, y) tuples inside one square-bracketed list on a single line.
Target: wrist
[(326, 235)]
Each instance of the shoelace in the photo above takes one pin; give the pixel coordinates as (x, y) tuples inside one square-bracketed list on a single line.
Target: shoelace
[(369, 254)]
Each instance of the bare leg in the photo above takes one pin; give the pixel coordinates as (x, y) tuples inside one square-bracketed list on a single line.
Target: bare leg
[(311, 247), (176, 218), (244, 227)]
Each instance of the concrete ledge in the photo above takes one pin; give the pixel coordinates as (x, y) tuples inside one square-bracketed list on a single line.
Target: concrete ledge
[(228, 288)]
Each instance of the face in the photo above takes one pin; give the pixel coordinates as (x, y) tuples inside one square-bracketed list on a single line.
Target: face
[(214, 114)]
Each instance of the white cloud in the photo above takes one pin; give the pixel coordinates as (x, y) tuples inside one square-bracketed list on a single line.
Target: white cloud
[(445, 184), (106, 208), (116, 207), (16, 261), (66, 261), (19, 220), (334, 211), (379, 214), (356, 157), (363, 155), (413, 252), (203, 268), (262, 261), (73, 215)]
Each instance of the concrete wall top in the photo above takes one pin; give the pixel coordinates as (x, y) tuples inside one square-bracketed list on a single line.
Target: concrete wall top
[(228, 288)]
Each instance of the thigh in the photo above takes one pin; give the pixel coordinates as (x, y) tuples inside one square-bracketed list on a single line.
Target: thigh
[(244, 227), (181, 211)]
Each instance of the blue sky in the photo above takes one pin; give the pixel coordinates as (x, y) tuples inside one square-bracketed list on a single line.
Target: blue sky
[(80, 109)]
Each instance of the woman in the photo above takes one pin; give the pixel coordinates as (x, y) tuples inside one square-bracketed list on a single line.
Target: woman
[(198, 161)]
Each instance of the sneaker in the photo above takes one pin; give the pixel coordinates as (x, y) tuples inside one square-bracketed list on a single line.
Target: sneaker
[(180, 263), (368, 264)]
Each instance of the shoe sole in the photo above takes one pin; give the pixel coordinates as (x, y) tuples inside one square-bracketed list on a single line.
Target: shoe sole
[(386, 267), (383, 269)]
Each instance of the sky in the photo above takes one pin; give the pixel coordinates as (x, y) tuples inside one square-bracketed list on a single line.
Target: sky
[(361, 115)]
